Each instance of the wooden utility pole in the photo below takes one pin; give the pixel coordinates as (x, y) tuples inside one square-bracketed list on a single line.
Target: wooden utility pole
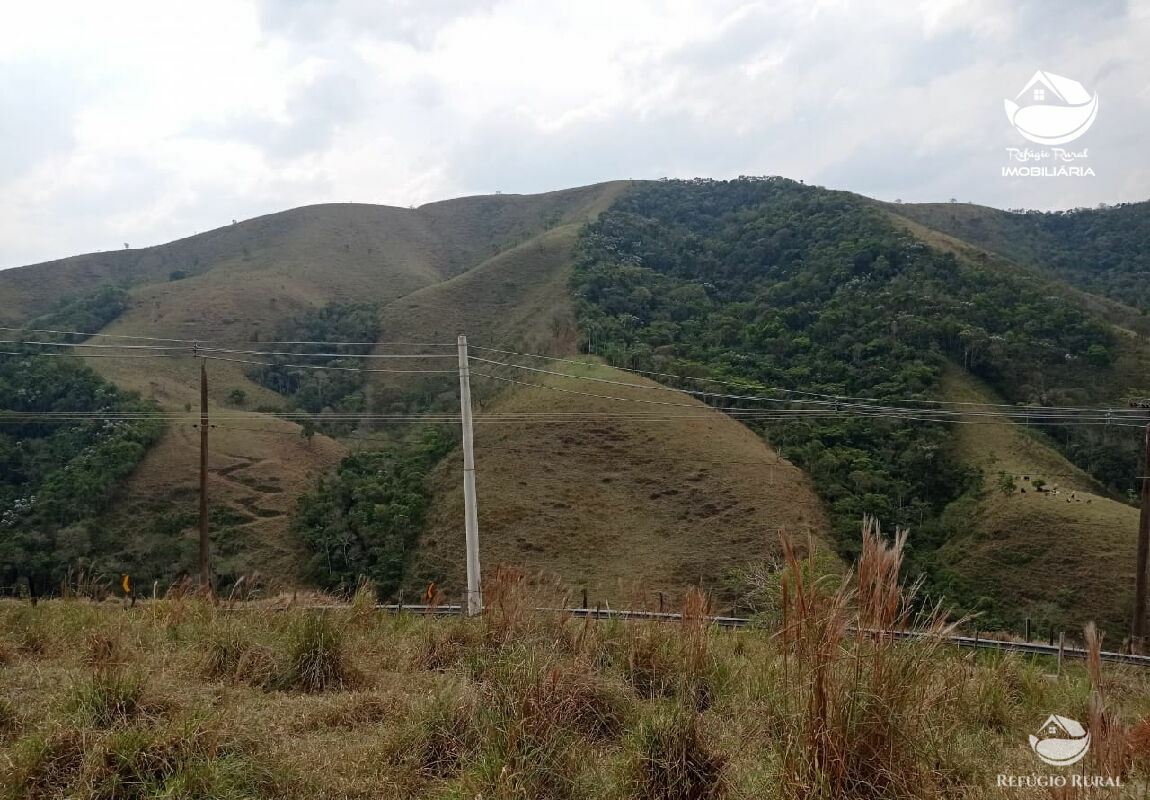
[(470, 515), (1138, 631), (205, 566)]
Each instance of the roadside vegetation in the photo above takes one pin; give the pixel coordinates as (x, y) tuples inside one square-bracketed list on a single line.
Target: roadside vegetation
[(181, 697)]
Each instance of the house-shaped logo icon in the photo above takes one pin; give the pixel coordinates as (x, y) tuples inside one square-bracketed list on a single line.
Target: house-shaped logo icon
[(1061, 741), (1052, 109)]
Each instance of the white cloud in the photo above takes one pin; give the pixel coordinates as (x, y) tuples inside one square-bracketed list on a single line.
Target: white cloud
[(142, 123)]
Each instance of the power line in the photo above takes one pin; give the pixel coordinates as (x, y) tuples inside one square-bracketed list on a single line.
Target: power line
[(90, 335), (219, 341), (91, 355), (331, 367), (915, 415), (745, 385), (95, 346)]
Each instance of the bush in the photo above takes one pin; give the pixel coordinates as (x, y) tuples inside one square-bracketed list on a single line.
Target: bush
[(316, 660), (230, 654), (43, 764), (670, 760)]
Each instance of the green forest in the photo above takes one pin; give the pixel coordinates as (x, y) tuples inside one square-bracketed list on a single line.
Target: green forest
[(784, 288), (89, 312), (339, 386), (363, 521), (1105, 251), (57, 477)]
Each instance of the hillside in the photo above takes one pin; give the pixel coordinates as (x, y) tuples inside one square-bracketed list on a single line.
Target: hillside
[(792, 299), (795, 293), (1055, 547), (622, 505), (303, 256), (236, 286), (1105, 251)]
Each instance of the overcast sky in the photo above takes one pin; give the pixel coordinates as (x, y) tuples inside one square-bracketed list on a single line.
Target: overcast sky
[(143, 122)]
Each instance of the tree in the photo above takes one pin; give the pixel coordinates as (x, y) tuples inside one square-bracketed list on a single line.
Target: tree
[(307, 429), (1006, 483)]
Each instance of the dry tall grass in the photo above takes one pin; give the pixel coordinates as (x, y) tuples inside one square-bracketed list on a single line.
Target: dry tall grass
[(184, 698), (864, 709)]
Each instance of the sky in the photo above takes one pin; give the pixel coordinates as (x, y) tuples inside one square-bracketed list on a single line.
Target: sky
[(138, 123)]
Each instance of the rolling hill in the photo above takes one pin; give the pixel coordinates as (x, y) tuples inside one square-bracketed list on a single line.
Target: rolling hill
[(786, 291), (1057, 547), (1105, 251), (623, 506)]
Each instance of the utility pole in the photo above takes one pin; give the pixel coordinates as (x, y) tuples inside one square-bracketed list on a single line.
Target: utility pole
[(1138, 632), (471, 516), (205, 567)]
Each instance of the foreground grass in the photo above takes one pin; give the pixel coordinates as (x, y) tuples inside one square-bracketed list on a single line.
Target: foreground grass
[(183, 699)]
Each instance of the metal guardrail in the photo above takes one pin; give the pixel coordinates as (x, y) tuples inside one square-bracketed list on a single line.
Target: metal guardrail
[(974, 642), (1032, 648)]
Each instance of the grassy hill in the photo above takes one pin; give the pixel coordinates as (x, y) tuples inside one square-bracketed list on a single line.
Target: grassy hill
[(497, 268), (1082, 547), (334, 251), (236, 286), (624, 507), (1056, 547)]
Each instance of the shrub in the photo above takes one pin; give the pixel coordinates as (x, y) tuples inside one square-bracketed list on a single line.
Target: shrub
[(43, 764), (231, 655), (315, 660), (670, 760), (110, 697)]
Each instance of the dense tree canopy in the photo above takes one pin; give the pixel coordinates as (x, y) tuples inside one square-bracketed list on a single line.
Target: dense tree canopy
[(364, 521), (88, 313), (788, 289), (1105, 250), (56, 477), (339, 388)]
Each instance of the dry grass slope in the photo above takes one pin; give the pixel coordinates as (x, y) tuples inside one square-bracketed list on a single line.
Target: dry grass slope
[(242, 279), (1047, 556), (616, 505)]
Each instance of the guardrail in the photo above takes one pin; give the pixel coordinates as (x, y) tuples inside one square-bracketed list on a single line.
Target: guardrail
[(974, 642)]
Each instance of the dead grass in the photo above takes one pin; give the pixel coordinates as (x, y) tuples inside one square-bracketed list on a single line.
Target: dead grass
[(181, 698), (618, 503), (866, 720)]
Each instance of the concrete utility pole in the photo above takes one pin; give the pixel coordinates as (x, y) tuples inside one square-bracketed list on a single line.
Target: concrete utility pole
[(470, 515), (205, 566), (1138, 632)]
